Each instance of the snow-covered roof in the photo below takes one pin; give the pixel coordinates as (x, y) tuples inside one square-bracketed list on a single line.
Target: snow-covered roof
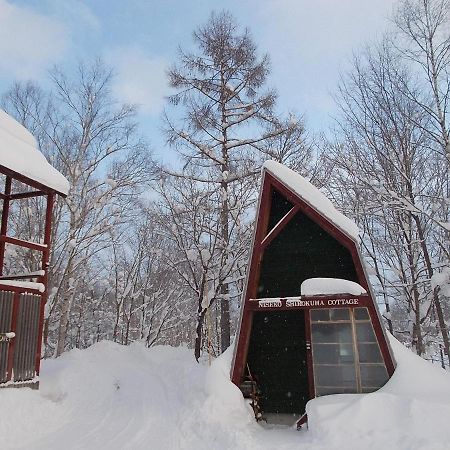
[(330, 286), (19, 152), (312, 196)]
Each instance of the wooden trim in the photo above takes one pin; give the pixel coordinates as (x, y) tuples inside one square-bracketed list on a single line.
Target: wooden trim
[(22, 243), (381, 338), (4, 222), (275, 231), (309, 355), (18, 277), (22, 195), (243, 338), (28, 181), (363, 301)]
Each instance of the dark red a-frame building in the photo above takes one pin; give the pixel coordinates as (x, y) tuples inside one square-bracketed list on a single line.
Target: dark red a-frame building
[(309, 322)]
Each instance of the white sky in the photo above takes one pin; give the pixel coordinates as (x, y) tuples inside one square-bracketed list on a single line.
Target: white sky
[(309, 42)]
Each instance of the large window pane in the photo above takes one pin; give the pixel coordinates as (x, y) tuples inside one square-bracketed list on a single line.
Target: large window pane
[(373, 375), (340, 314), (321, 390), (333, 354), (341, 376), (332, 332), (320, 315), (369, 353), (361, 314), (364, 332)]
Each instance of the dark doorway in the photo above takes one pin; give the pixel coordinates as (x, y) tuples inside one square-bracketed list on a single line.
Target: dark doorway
[(277, 361)]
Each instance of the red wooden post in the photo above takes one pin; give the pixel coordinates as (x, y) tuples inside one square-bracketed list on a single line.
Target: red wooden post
[(44, 278), (4, 224)]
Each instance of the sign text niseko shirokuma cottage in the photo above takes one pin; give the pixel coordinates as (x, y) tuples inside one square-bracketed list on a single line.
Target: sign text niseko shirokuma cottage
[(309, 323)]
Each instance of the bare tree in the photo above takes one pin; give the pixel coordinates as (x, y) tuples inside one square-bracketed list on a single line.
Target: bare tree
[(226, 123), (386, 167), (93, 141), (189, 217)]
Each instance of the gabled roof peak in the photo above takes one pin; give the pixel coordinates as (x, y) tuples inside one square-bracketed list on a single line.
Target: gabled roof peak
[(307, 192)]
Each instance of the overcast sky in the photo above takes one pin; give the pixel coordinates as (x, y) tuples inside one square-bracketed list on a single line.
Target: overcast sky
[(309, 42)]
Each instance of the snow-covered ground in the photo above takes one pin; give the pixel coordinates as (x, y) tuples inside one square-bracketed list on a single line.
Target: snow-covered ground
[(114, 397)]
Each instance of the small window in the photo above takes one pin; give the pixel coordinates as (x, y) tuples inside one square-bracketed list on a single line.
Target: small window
[(340, 314), (361, 314), (333, 354), (364, 332), (336, 376), (320, 315), (369, 353), (332, 333), (373, 375)]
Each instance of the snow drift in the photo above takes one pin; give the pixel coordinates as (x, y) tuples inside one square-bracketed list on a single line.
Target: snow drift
[(115, 397)]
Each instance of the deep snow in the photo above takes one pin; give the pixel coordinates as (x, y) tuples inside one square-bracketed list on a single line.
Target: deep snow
[(115, 397)]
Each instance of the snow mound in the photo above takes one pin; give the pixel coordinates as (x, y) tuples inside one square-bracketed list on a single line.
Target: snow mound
[(19, 153), (330, 286), (115, 397), (411, 412), (313, 197)]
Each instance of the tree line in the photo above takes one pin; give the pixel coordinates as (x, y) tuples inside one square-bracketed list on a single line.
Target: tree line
[(158, 253)]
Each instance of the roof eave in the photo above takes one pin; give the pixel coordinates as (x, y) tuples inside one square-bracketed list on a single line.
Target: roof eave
[(30, 182)]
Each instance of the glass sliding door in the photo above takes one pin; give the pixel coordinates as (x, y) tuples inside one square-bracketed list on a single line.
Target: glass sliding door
[(345, 351)]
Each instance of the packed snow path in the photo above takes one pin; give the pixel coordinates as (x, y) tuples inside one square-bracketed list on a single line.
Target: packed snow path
[(114, 397)]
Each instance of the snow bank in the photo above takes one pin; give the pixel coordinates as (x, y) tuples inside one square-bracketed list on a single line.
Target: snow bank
[(312, 196), (114, 397), (330, 286), (19, 152), (412, 411)]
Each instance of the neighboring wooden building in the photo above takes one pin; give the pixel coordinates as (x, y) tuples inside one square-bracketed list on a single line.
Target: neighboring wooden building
[(309, 321), (26, 174)]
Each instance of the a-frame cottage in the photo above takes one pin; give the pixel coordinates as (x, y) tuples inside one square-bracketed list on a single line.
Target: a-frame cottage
[(26, 174), (309, 321)]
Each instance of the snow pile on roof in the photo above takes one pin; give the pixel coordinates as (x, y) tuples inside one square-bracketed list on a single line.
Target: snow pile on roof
[(115, 397), (330, 286), (19, 152), (312, 196)]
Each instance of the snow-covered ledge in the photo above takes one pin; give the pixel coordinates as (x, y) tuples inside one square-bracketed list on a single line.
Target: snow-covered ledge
[(330, 286), (23, 285)]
